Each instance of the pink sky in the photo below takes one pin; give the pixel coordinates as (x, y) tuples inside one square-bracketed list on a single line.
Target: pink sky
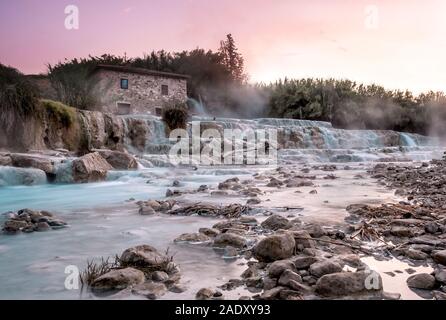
[(278, 38)]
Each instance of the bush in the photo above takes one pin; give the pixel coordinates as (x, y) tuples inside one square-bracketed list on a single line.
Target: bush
[(59, 112), (18, 97), (175, 115)]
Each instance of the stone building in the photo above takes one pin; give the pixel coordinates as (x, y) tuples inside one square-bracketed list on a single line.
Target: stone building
[(128, 90)]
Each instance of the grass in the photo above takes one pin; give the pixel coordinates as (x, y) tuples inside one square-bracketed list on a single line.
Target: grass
[(59, 112)]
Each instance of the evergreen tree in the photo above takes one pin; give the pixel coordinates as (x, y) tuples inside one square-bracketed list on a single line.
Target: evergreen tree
[(232, 59)]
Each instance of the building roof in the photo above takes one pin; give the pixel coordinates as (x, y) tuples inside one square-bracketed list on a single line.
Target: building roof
[(141, 71)]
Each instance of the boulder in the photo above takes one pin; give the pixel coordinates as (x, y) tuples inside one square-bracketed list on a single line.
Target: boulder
[(272, 293), (287, 277), (5, 161), (276, 222), (32, 161), (348, 283), (440, 257), (416, 254), (398, 231), (302, 239), (160, 276), (90, 168), (204, 294), (229, 239), (304, 262), (275, 247), (119, 160), (278, 267), (210, 232), (146, 210), (192, 237), (118, 279), (440, 276), (421, 281), (318, 269), (150, 290), (145, 256), (14, 225)]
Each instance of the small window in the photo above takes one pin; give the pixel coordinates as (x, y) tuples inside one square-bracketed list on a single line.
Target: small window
[(124, 83), (164, 90)]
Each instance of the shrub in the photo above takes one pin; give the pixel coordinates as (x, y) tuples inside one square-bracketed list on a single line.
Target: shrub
[(175, 115), (59, 112), (18, 97)]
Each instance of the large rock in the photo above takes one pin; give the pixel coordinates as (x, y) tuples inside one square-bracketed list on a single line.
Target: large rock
[(118, 279), (32, 161), (119, 160), (5, 160), (304, 262), (145, 256), (150, 290), (229, 239), (192, 237), (440, 257), (276, 222), (275, 247), (278, 267), (318, 269), (421, 281), (90, 168), (348, 283)]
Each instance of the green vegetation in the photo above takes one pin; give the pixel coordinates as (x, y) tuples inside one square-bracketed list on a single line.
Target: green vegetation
[(355, 106), (175, 115), (18, 97), (59, 112)]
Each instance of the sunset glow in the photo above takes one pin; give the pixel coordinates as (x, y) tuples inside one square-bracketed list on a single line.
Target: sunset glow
[(284, 38)]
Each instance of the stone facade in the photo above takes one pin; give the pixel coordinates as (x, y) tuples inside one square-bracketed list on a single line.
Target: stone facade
[(123, 90)]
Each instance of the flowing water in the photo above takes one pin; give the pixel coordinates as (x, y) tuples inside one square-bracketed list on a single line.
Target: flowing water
[(104, 222)]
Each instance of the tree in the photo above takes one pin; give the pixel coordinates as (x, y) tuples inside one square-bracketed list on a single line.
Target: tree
[(232, 59)]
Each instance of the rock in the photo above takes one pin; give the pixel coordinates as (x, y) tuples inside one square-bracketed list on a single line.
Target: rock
[(253, 201), (250, 272), (440, 257), (230, 252), (146, 211), (145, 256), (42, 226), (296, 183), (440, 276), (274, 183), (348, 283), (438, 295), (229, 239), (177, 288), (90, 168), (155, 205), (160, 276), (304, 262), (421, 281), (398, 231), (431, 227), (14, 225), (276, 222), (150, 290), (119, 160), (288, 294), (271, 294), (248, 221), (204, 294), (288, 276), (316, 231), (275, 247), (416, 254), (32, 161), (318, 269), (278, 267), (118, 279), (210, 232), (302, 239), (269, 283), (254, 282), (5, 161), (192, 237)]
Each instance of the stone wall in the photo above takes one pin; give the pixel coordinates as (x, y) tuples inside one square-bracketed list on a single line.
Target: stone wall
[(143, 94)]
